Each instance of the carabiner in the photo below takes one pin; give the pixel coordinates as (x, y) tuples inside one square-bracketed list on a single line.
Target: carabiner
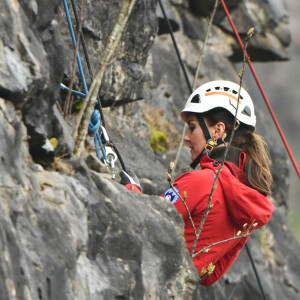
[(104, 135), (110, 161)]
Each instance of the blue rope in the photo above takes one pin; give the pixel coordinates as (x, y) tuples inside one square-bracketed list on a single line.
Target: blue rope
[(73, 91), (95, 118), (94, 130), (78, 56)]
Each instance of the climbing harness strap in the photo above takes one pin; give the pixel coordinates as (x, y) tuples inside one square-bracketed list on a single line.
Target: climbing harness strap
[(210, 144)]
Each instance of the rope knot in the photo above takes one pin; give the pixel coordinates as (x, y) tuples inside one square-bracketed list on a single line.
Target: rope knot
[(94, 122)]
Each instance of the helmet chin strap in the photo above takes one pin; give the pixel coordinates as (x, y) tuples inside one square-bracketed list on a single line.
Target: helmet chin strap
[(210, 143)]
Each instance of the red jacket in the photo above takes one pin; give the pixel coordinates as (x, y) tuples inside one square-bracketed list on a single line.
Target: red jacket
[(234, 204)]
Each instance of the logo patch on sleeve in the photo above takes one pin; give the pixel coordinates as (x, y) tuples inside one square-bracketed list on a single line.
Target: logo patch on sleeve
[(171, 195)]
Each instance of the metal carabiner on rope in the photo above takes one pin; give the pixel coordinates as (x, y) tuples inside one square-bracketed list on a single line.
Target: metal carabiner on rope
[(110, 156), (104, 135), (110, 162)]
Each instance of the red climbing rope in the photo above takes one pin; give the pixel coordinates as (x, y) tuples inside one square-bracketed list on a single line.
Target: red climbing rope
[(261, 88)]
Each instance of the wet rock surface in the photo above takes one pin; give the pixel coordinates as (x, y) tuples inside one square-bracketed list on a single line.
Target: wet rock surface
[(67, 231)]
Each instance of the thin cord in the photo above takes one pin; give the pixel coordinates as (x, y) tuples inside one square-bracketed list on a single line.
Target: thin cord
[(195, 78), (176, 47), (82, 40), (184, 73), (255, 271), (261, 89)]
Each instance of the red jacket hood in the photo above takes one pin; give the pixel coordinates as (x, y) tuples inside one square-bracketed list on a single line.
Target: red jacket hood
[(244, 203)]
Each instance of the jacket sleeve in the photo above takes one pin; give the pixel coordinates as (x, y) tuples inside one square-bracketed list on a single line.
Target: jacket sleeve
[(245, 205)]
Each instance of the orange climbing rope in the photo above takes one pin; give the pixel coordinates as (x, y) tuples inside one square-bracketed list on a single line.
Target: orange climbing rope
[(261, 88)]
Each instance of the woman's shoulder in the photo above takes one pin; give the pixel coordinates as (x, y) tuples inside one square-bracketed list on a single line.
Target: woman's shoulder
[(203, 175)]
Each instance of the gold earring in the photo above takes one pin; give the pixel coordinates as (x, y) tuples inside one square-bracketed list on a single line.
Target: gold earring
[(224, 136)]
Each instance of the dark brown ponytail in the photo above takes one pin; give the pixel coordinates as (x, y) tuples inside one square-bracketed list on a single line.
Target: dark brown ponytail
[(257, 169)]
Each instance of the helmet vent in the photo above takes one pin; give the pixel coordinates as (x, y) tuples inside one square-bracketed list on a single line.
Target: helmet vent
[(208, 90), (226, 89), (217, 88), (247, 111), (196, 99), (235, 92)]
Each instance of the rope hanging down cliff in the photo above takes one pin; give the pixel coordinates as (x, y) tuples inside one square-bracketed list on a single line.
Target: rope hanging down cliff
[(83, 117), (261, 89), (101, 139)]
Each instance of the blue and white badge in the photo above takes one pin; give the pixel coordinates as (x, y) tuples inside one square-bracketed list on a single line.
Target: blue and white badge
[(171, 195)]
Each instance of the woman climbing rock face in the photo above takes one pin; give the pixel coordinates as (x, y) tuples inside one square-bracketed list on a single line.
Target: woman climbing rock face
[(239, 202)]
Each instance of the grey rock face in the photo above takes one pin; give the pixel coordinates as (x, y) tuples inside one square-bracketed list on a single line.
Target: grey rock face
[(30, 51), (269, 18), (82, 236), (67, 231)]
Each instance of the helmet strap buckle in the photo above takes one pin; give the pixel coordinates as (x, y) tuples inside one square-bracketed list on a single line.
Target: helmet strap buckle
[(210, 144)]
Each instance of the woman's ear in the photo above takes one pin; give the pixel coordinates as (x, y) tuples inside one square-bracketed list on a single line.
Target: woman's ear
[(219, 130)]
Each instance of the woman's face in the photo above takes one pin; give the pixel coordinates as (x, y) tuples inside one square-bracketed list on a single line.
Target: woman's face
[(194, 136)]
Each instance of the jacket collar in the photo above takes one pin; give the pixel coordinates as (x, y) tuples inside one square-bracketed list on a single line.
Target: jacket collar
[(232, 155), (235, 161)]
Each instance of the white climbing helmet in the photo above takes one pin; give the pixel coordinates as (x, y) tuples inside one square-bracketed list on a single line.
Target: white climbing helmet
[(221, 94)]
